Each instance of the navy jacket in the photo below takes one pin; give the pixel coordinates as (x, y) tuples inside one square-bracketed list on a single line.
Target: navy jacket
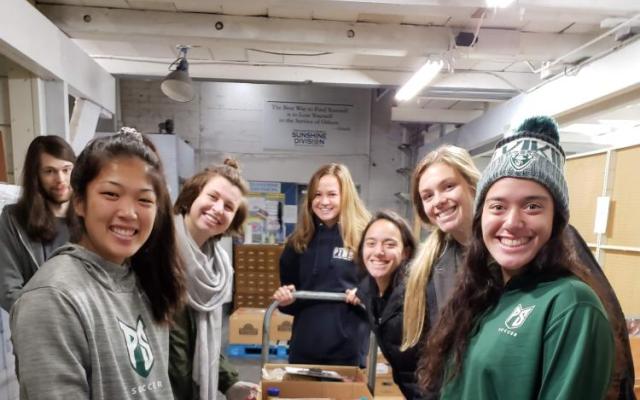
[(329, 333)]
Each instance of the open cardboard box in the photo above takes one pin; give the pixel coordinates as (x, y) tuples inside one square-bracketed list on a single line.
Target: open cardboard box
[(301, 388)]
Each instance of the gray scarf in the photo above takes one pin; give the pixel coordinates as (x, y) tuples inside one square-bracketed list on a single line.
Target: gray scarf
[(209, 277)]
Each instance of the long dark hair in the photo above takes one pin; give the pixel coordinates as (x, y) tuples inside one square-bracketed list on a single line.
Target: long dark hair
[(31, 209), (230, 170), (479, 289), (408, 241), (156, 264)]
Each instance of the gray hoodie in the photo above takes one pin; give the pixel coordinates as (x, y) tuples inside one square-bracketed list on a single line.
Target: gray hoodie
[(20, 257), (83, 329)]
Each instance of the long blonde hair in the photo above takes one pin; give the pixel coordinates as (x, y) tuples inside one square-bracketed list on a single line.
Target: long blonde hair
[(415, 304), (353, 214)]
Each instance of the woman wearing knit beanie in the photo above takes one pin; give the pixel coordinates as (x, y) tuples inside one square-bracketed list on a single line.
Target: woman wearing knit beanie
[(526, 319)]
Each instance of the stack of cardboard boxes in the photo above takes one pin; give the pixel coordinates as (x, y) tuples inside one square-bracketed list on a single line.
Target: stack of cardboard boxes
[(256, 274), (256, 279)]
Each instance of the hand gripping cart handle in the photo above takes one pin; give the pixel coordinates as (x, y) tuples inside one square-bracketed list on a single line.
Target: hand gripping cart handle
[(326, 296)]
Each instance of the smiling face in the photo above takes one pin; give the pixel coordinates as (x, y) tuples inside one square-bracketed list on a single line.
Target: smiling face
[(326, 200), (54, 175), (447, 200), (517, 220), (212, 212), (383, 251), (118, 209)]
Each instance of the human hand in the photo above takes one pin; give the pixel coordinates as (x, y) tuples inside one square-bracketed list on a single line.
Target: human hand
[(284, 295), (242, 390), (351, 297)]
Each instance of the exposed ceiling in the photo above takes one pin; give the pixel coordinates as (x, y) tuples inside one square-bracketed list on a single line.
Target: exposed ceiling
[(371, 43)]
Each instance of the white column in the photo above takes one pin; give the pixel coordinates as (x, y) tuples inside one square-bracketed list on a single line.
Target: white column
[(25, 114), (56, 109), (84, 121)]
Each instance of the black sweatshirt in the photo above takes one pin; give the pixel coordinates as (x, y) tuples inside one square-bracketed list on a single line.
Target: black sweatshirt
[(329, 333)]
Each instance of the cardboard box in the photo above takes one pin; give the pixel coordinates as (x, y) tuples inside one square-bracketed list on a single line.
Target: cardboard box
[(252, 300), (293, 387), (245, 326), (280, 328), (385, 387), (634, 341), (257, 257), (256, 282)]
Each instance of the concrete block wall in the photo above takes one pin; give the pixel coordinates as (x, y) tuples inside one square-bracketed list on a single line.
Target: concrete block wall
[(386, 158), (227, 119), (144, 106)]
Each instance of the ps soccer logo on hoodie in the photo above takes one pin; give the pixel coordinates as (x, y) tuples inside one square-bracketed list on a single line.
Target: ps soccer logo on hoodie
[(138, 347)]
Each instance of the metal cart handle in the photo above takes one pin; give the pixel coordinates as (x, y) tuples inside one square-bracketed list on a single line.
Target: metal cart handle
[(326, 296)]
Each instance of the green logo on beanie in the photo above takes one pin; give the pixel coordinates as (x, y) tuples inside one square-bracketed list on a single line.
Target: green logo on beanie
[(520, 160), (138, 347)]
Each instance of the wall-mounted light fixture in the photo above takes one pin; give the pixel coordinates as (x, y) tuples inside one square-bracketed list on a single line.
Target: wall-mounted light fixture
[(177, 84), (419, 80)]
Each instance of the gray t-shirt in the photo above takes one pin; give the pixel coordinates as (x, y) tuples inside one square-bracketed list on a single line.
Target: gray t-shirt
[(443, 277), (61, 238)]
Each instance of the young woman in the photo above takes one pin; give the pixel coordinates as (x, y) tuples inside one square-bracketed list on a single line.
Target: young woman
[(93, 322), (525, 320), (442, 190), (211, 204), (385, 249), (319, 257), (443, 186)]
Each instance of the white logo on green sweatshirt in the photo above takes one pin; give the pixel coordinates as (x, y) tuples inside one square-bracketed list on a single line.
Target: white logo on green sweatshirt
[(518, 316), (138, 347)]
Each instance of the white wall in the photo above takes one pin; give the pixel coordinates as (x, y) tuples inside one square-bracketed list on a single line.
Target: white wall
[(229, 119)]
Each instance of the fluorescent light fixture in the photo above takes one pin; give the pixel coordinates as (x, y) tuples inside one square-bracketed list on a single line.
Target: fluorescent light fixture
[(419, 80), (499, 3)]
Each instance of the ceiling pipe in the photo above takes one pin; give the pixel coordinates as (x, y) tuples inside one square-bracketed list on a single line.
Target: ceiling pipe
[(550, 64)]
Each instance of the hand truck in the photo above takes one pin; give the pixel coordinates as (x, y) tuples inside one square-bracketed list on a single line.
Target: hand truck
[(325, 296)]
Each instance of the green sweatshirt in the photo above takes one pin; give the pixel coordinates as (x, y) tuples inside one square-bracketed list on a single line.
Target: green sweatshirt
[(543, 340), (83, 329)]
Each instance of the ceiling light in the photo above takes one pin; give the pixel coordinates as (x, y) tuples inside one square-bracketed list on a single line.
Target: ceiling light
[(419, 80), (498, 3), (177, 84)]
